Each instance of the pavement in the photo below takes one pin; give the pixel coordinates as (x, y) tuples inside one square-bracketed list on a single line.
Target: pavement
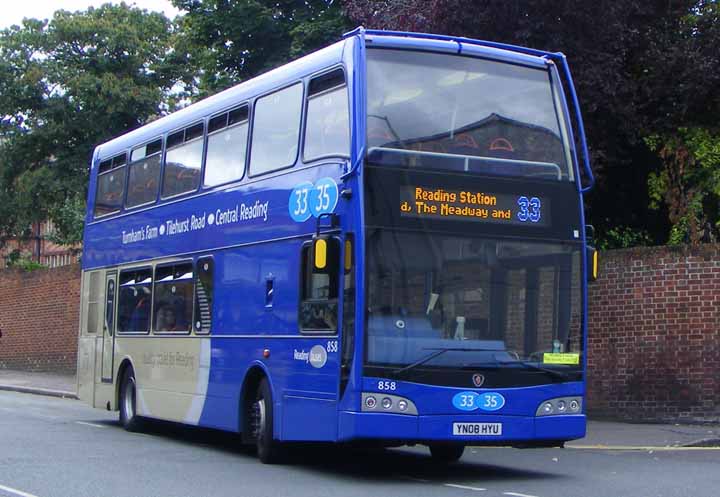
[(52, 384), (601, 434)]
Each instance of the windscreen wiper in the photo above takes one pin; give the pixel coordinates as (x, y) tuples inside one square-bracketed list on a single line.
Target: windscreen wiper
[(529, 365), (437, 352)]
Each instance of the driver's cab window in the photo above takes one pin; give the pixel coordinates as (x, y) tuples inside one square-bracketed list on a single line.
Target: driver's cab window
[(319, 288)]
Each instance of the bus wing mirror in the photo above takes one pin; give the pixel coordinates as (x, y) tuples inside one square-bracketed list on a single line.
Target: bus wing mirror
[(590, 234)]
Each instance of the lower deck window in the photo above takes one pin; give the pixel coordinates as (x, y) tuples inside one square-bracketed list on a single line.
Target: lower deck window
[(173, 297), (135, 299)]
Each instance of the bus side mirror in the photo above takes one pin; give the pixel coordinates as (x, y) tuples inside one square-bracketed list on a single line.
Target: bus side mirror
[(592, 264)]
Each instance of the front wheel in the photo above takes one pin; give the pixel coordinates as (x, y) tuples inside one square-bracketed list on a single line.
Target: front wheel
[(268, 449), (128, 412), (446, 453)]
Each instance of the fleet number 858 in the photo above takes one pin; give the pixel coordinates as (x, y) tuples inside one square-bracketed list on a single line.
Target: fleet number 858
[(386, 385)]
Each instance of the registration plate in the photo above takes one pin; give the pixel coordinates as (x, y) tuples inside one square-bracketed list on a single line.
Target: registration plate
[(477, 429)]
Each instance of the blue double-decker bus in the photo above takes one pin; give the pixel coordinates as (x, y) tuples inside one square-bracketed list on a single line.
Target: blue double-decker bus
[(381, 242)]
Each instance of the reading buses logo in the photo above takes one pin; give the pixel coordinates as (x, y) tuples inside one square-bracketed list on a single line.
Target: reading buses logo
[(317, 357)]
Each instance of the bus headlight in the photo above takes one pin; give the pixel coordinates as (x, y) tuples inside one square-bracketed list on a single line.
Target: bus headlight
[(388, 404), (559, 406)]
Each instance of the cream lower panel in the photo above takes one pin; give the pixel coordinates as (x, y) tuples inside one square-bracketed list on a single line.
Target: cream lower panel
[(171, 374), (86, 369)]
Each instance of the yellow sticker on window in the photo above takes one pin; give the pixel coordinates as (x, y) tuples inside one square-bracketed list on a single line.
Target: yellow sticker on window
[(557, 358)]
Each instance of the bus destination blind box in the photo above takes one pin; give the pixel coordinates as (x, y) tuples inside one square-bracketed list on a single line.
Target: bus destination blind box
[(460, 205)]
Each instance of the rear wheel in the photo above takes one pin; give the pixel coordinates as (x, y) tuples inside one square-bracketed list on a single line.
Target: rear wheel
[(261, 415), (128, 412), (446, 453)]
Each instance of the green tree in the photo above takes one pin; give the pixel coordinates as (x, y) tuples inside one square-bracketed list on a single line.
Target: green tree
[(65, 86), (688, 183), (680, 90), (234, 40)]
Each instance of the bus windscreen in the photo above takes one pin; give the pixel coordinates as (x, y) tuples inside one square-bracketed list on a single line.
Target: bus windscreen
[(442, 111)]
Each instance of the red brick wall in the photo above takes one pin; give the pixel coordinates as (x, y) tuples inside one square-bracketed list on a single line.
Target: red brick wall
[(39, 312), (654, 335)]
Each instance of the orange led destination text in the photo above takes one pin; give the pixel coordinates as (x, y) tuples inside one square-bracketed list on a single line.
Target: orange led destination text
[(443, 203)]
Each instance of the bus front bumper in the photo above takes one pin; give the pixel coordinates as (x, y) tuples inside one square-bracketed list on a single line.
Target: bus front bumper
[(490, 429)]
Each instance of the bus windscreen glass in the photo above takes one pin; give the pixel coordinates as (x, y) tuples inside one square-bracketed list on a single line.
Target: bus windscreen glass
[(488, 303), (442, 111)]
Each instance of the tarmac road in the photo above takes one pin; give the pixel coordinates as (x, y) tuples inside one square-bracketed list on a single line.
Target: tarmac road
[(51, 447)]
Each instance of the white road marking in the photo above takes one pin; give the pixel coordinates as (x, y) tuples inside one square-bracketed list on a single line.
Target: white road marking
[(667, 448), (464, 487), (15, 491), (89, 424), (515, 494)]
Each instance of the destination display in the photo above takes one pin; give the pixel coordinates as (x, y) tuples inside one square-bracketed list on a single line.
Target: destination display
[(474, 205)]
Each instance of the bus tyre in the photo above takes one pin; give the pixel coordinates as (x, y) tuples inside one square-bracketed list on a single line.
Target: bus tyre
[(268, 449), (128, 412), (446, 453)]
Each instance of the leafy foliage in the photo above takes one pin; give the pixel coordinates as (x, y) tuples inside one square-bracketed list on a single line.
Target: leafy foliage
[(688, 184), (623, 237), (232, 41), (66, 86), (21, 260)]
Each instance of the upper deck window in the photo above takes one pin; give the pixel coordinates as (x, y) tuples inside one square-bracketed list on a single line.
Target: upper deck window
[(110, 185), (144, 174), (327, 131), (276, 130), (183, 161), (443, 111), (227, 145)]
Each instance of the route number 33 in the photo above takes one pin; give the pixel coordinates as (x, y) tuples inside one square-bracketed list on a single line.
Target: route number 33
[(301, 201), (529, 209)]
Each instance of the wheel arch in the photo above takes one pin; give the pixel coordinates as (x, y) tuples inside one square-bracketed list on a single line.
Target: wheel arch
[(254, 375)]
